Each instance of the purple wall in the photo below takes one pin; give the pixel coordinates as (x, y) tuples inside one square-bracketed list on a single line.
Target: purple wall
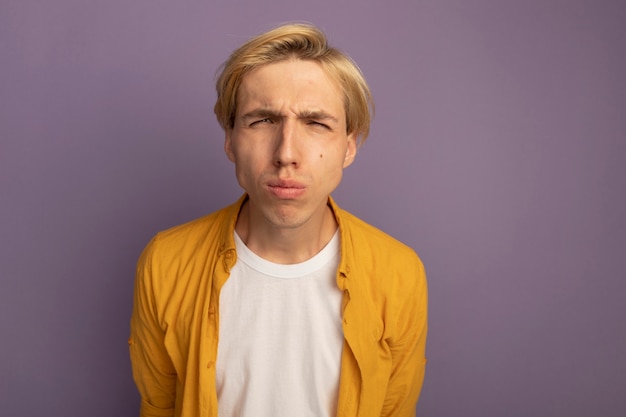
[(498, 151)]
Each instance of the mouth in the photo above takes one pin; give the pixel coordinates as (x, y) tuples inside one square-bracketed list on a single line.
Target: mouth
[(286, 189)]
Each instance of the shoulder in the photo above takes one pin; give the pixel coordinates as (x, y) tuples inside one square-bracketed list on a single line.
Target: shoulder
[(189, 240), (366, 239), (193, 230)]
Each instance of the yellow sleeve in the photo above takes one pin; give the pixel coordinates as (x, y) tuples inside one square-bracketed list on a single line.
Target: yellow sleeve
[(409, 348), (153, 371)]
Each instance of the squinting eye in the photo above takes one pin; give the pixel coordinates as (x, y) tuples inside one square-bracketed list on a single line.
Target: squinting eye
[(314, 123), (266, 120)]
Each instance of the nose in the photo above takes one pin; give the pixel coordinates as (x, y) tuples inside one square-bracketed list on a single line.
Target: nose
[(287, 152)]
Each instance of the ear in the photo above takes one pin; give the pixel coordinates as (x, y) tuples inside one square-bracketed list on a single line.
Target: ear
[(350, 150), (228, 145)]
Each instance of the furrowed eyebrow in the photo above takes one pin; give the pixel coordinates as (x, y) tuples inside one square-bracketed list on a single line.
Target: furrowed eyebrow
[(317, 115), (261, 114)]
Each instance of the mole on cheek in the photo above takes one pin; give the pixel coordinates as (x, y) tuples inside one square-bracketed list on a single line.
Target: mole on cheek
[(321, 156)]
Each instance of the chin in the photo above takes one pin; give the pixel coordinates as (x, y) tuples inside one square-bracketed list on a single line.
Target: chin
[(286, 217)]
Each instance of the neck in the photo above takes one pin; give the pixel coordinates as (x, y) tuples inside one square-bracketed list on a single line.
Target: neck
[(286, 245)]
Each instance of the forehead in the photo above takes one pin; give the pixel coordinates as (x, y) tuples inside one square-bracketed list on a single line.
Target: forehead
[(291, 84)]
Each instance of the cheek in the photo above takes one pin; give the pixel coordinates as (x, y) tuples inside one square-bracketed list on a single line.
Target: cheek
[(245, 176), (330, 166), (248, 165)]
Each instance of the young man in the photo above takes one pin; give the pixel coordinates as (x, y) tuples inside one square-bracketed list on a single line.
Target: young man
[(282, 304)]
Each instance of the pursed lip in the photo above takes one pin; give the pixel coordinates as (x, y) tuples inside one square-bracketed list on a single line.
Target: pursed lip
[(285, 184), (286, 189)]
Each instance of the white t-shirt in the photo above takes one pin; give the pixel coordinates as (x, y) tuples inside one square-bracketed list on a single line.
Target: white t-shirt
[(280, 337)]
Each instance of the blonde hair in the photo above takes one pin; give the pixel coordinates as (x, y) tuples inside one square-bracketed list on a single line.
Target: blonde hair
[(295, 41)]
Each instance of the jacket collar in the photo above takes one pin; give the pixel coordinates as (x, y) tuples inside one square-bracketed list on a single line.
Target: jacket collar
[(229, 222), (228, 237), (343, 270)]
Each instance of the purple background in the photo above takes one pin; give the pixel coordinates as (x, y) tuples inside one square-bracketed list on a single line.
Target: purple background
[(498, 152)]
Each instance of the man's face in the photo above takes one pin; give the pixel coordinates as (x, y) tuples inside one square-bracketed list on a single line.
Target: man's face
[(289, 141)]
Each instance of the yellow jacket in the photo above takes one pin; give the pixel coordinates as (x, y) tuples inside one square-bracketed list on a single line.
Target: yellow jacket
[(174, 325)]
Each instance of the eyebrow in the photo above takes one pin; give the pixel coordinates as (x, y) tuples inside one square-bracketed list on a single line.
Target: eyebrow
[(261, 113), (305, 114)]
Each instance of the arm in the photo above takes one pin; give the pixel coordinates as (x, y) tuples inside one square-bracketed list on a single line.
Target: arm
[(153, 371), (408, 349)]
